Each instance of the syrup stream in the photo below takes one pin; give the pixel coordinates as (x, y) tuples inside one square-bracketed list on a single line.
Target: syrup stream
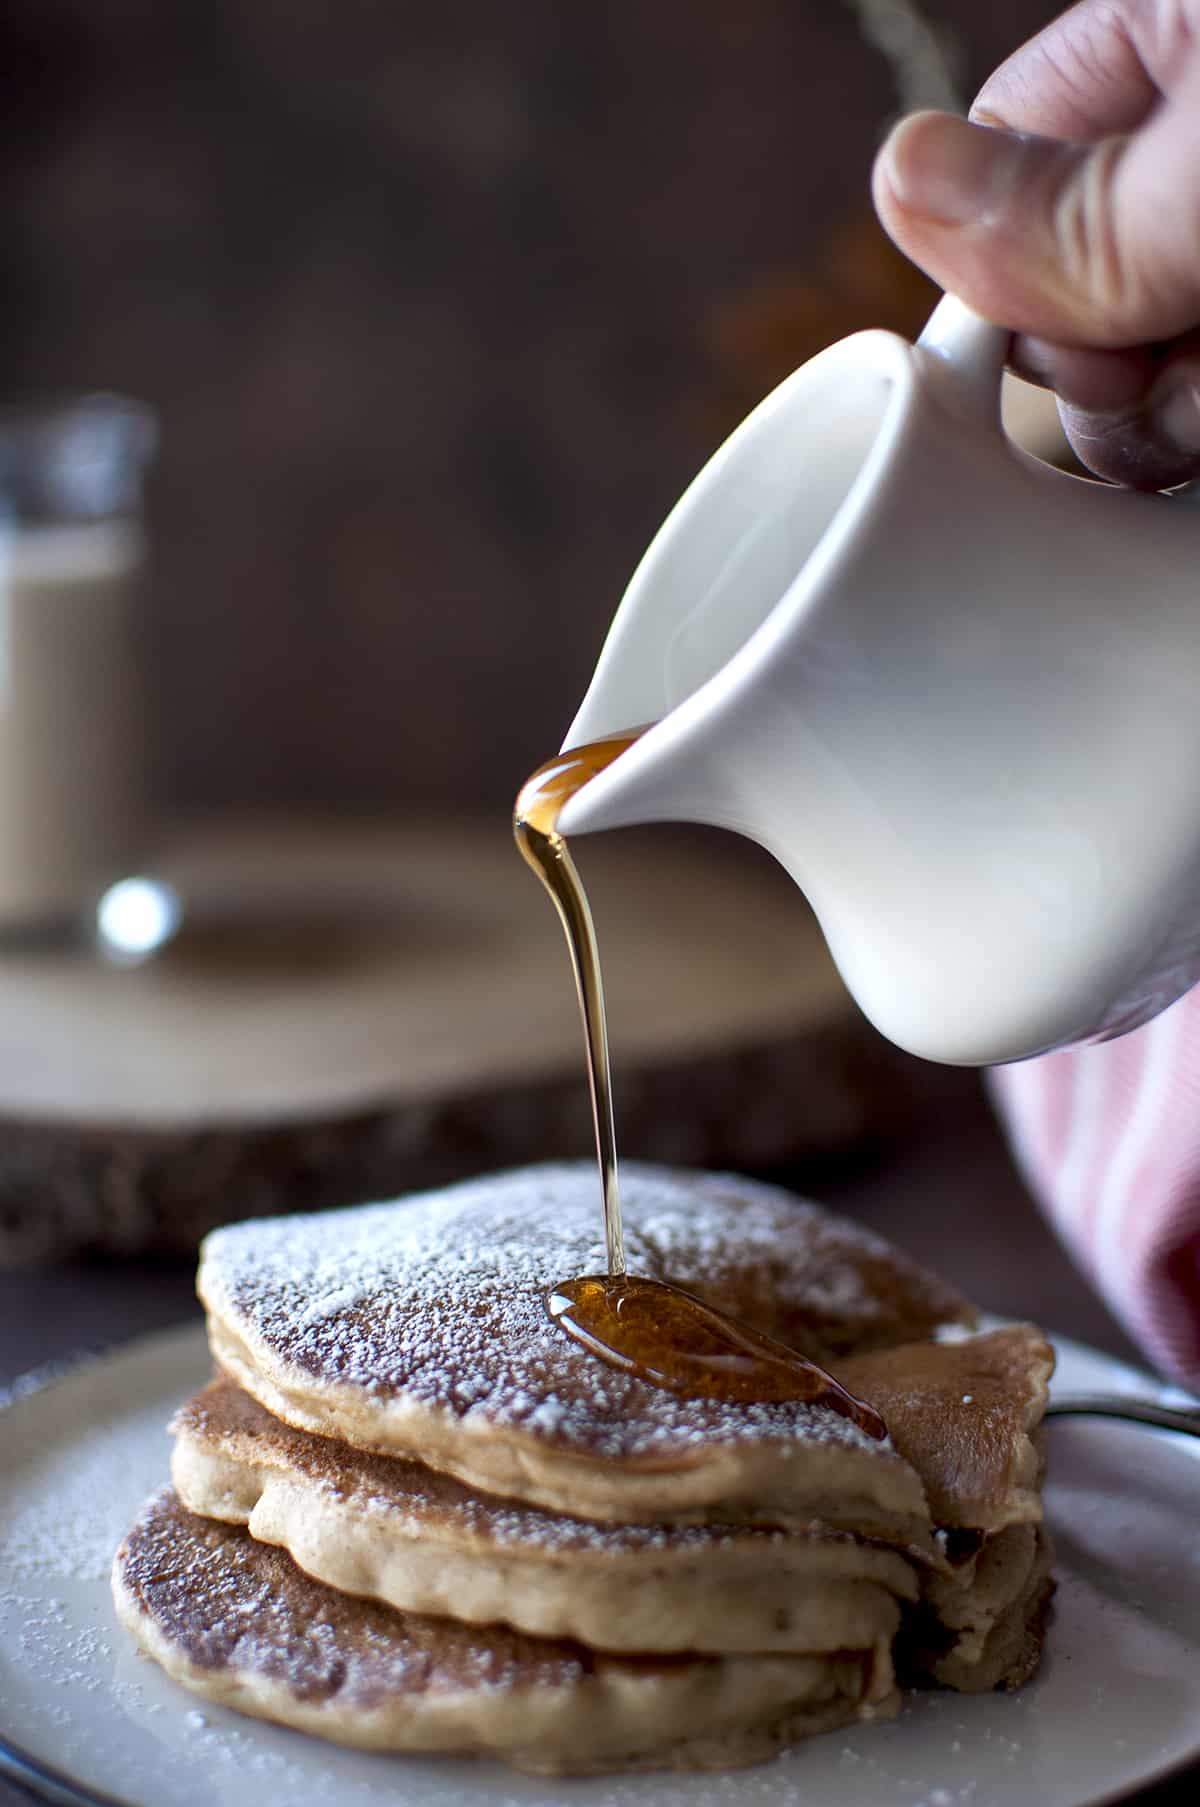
[(535, 818)]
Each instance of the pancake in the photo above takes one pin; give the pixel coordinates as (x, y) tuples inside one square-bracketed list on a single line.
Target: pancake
[(418, 1329), (982, 1626), (414, 1515), (237, 1622), (965, 1413), (391, 1529)]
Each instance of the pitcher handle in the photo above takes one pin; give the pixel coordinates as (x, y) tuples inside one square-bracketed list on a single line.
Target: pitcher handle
[(972, 349)]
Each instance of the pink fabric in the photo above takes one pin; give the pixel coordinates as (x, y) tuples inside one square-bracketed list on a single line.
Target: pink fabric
[(1109, 1138)]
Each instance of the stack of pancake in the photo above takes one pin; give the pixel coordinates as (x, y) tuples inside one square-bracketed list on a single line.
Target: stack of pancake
[(409, 1513)]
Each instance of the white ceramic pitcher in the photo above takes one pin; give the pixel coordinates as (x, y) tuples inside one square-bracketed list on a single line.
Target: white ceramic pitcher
[(954, 691)]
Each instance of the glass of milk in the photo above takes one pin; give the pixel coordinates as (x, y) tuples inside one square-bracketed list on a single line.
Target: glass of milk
[(73, 771)]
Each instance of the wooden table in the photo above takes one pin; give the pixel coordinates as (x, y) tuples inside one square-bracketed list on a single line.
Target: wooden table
[(355, 1009), (946, 1190)]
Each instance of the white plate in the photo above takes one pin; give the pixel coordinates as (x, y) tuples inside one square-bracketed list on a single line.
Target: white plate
[(1117, 1703)]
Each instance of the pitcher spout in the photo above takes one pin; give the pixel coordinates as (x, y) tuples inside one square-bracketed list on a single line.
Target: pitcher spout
[(665, 776)]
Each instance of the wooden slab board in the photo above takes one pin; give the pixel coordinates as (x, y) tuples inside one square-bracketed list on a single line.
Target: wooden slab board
[(354, 1010)]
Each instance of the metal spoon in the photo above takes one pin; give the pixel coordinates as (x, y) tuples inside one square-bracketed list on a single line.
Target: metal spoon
[(1133, 1410)]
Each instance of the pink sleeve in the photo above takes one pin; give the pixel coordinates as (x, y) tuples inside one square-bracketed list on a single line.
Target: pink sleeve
[(1108, 1136)]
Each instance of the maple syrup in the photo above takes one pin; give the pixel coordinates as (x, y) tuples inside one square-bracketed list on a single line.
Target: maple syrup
[(647, 1328), (661, 1334), (535, 825)]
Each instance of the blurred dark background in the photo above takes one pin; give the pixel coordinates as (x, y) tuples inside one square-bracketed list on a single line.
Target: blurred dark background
[(440, 305)]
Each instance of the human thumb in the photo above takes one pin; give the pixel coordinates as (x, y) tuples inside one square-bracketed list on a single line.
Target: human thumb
[(1079, 244)]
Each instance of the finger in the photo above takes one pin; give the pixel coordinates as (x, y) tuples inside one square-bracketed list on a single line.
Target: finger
[(1090, 73), (1098, 381), (1131, 416), (1078, 245), (1154, 443)]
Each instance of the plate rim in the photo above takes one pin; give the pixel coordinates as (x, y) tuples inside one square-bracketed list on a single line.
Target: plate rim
[(46, 1783)]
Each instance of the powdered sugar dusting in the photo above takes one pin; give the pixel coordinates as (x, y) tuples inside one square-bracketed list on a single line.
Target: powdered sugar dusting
[(230, 1603), (440, 1299), (232, 1426)]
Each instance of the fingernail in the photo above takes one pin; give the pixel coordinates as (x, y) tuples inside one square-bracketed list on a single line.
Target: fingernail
[(1177, 414), (948, 170)]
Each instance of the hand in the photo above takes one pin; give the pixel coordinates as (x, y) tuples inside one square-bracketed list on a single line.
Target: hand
[(1069, 210)]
